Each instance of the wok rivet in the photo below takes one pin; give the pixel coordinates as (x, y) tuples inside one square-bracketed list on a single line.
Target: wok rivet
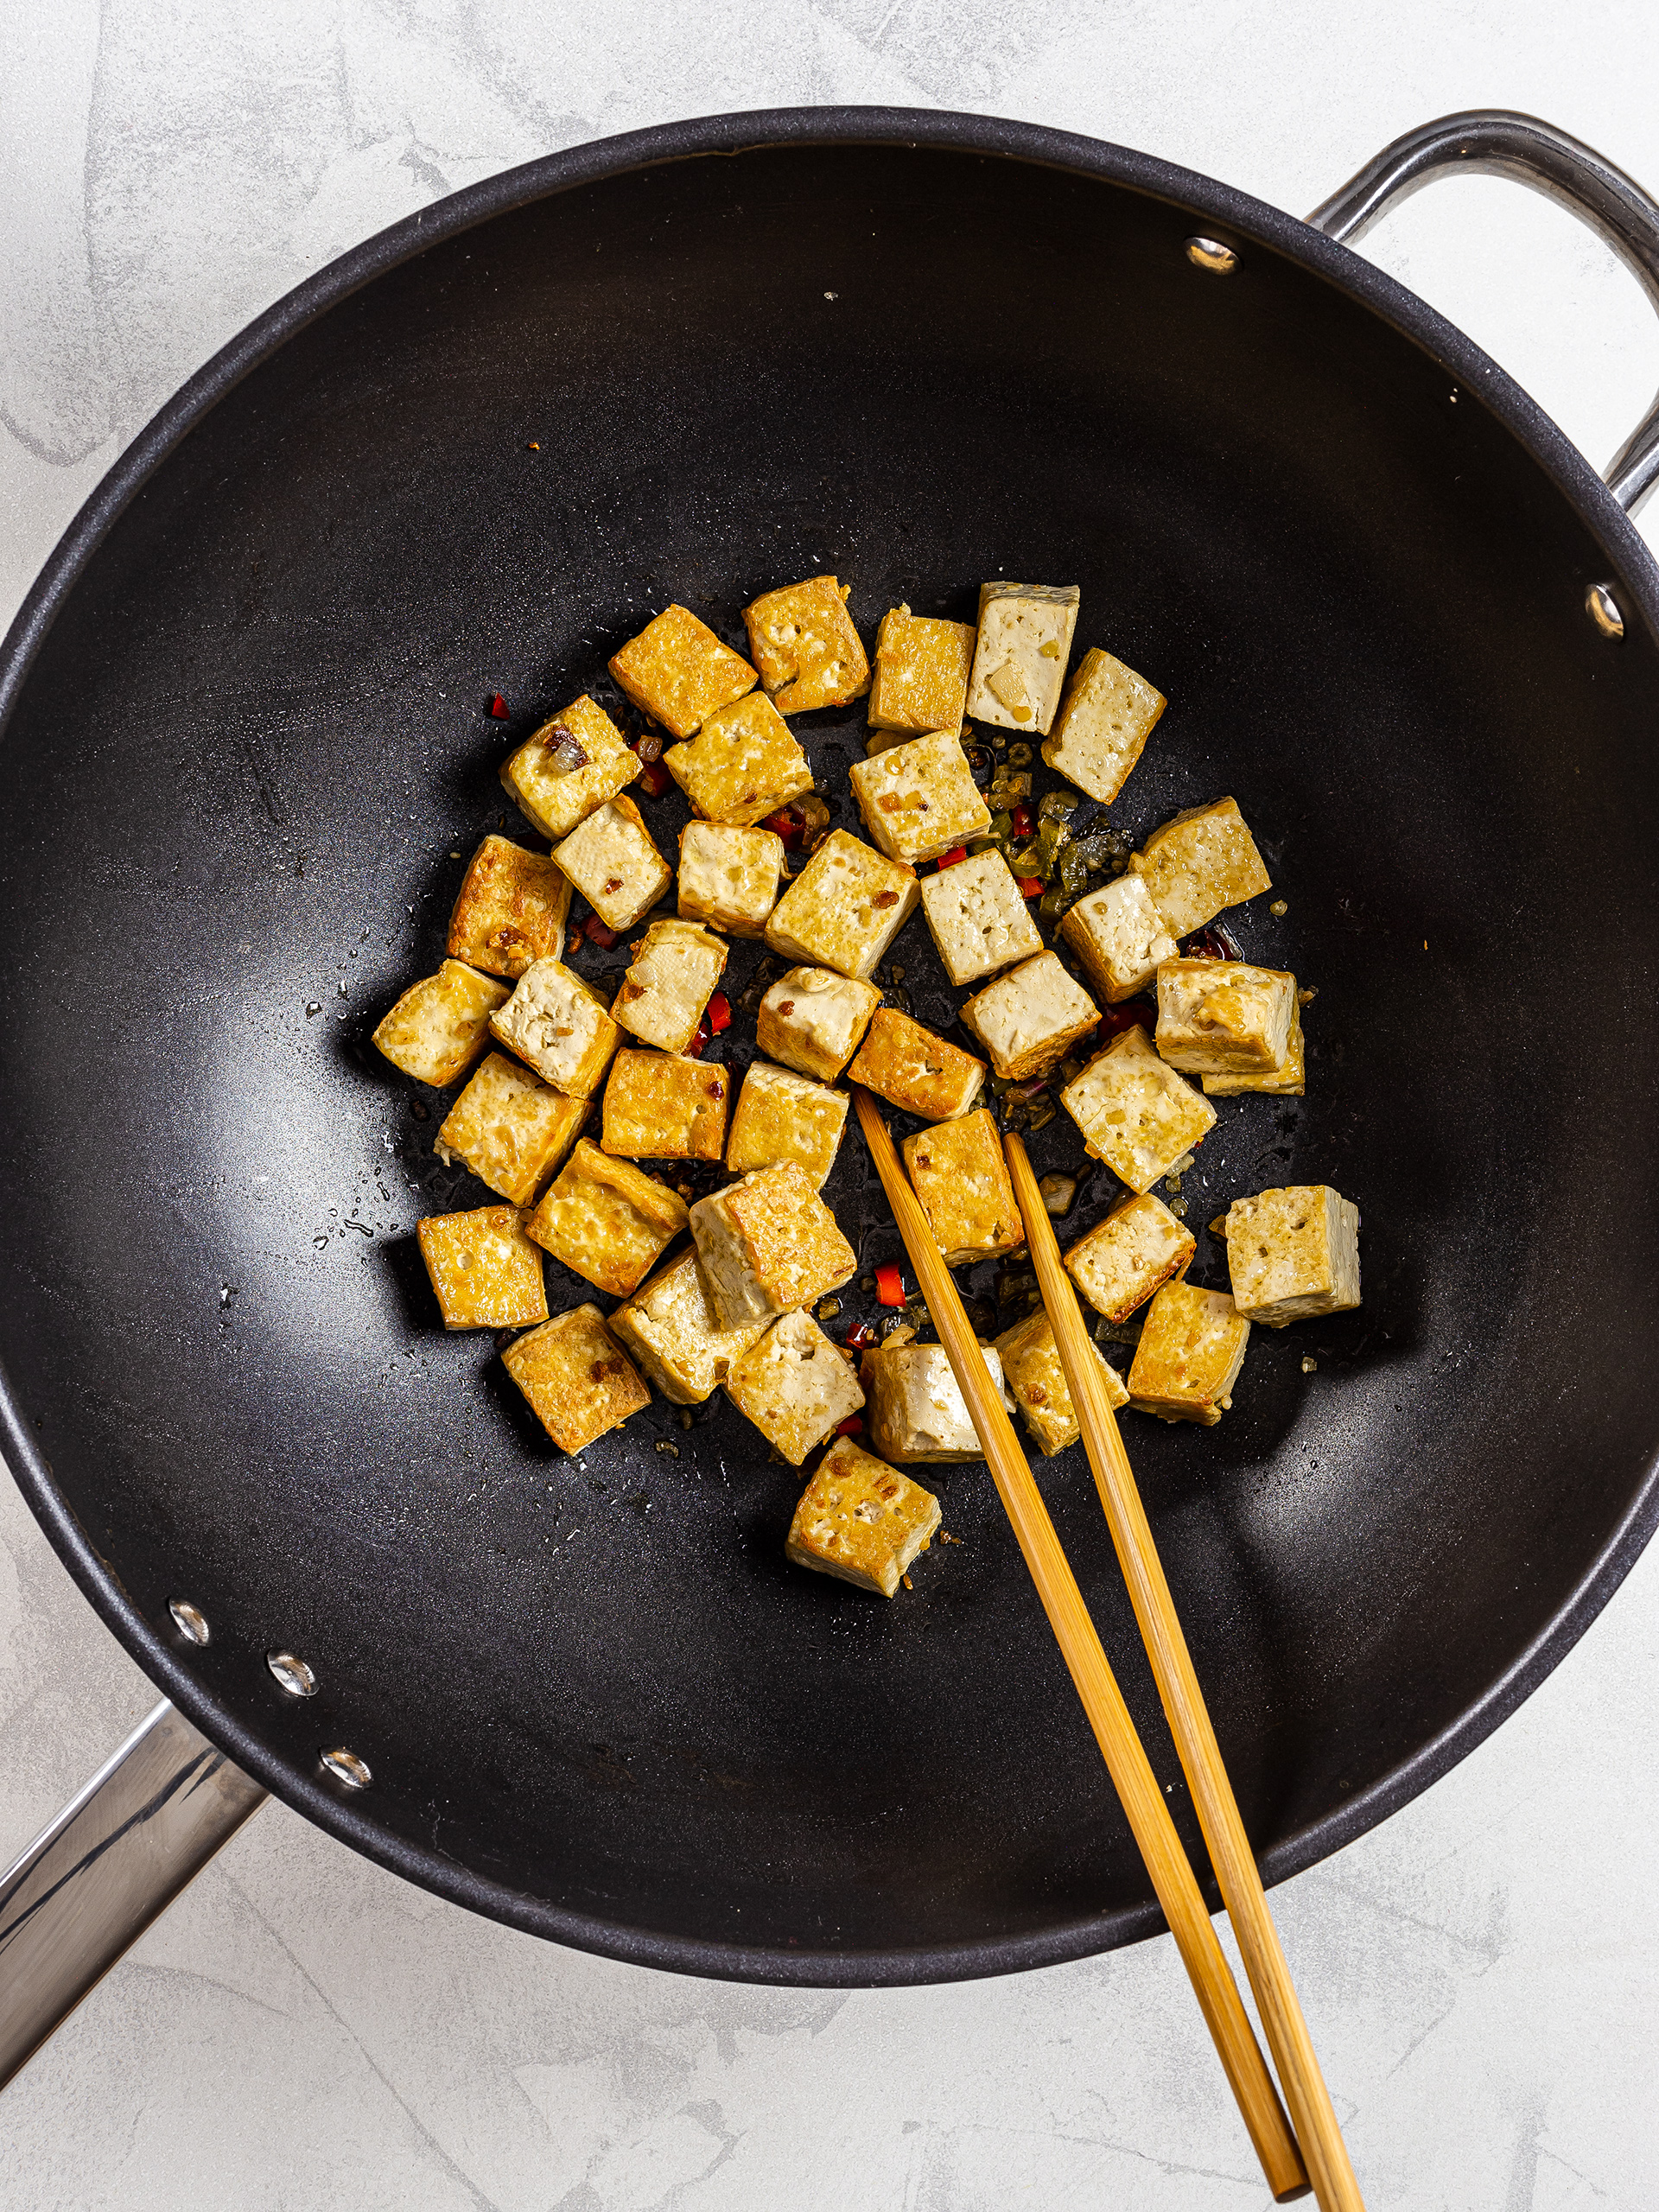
[(189, 1620), (1211, 255), (291, 1674), (347, 1767), (1603, 609)]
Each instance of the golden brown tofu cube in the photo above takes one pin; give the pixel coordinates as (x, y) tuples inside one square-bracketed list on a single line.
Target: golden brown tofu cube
[(921, 672), (960, 1175), (844, 908), (1293, 1254), (579, 1381), (512, 1130), (679, 673), (1191, 1350), (674, 968), (1119, 935), (1289, 1081), (918, 1414), (511, 910), (977, 918), (919, 800), (560, 1026), (612, 861), (671, 1328), (743, 764), (768, 1244), (860, 1520), (805, 646), (812, 1019), (607, 1221), (1036, 1378), (1135, 1113), (1023, 645), (1132, 1253), (914, 1070), (795, 1386), (1224, 1017), (441, 1025), (729, 876), (1104, 721), (658, 1106), (782, 1115), (1199, 863), (485, 1271), (568, 767), (1029, 1020)]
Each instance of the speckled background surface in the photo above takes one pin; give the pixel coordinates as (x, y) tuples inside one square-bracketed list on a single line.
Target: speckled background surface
[(302, 2030)]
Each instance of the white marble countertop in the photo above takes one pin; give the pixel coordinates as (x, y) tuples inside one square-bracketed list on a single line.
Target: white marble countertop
[(302, 2030)]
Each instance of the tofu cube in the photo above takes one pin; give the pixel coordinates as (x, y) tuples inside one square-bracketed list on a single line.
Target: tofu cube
[(844, 908), (922, 665), (803, 643), (743, 763), (560, 1025), (1134, 1251), (1036, 1379), (511, 910), (916, 1414), (1224, 1017), (914, 1070), (510, 1130), (670, 1328), (1191, 1350), (782, 1115), (442, 1024), (812, 1020), (1104, 721), (1119, 935), (729, 876), (1199, 863), (1294, 1254), (768, 1244), (1020, 656), (555, 788), (579, 1381), (860, 1520), (1135, 1113), (659, 1106), (1029, 1020), (795, 1385), (677, 671), (919, 800), (1289, 1081), (606, 1220), (674, 968), (959, 1172), (977, 917), (613, 862), (485, 1271)]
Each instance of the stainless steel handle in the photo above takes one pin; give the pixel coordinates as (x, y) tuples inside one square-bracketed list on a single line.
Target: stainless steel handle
[(89, 1886), (1492, 142)]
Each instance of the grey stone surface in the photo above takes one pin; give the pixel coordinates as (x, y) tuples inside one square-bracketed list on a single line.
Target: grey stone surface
[(304, 2032)]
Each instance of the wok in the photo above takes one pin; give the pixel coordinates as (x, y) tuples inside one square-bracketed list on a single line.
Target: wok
[(247, 734)]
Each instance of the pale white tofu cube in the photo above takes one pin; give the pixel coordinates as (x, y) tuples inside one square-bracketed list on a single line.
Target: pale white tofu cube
[(768, 1244), (1200, 863), (919, 800), (860, 1520), (1036, 1381), (1191, 1350), (1029, 1020), (916, 1413), (795, 1385), (1119, 935), (1104, 721), (671, 1326), (729, 876), (977, 917), (1135, 1113), (561, 1026), (781, 1115), (611, 859), (1025, 640), (1293, 1254), (1224, 1017), (1289, 1081), (812, 1019), (674, 968), (844, 908), (1132, 1253)]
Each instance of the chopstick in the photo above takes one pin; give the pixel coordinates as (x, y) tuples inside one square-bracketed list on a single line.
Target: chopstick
[(1240, 1883), (1102, 1702)]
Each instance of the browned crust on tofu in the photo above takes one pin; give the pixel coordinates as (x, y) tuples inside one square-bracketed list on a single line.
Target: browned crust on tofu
[(803, 641), (509, 910), (678, 673), (579, 1381), (794, 1243), (914, 1069), (959, 1174), (659, 1106), (860, 1520)]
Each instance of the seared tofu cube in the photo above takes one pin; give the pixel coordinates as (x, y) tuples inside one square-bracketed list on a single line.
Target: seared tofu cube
[(844, 908), (804, 645), (1104, 721), (795, 1385), (1132, 1253), (1029, 1020), (922, 665), (917, 1412), (977, 917), (485, 1272), (674, 968), (1294, 1254), (606, 1220), (1036, 1379), (914, 1070), (812, 1019), (1135, 1113), (782, 1115), (1288, 1081), (742, 764), (1199, 863), (768, 1244), (568, 767), (613, 862), (959, 1172), (670, 1328), (1191, 1350), (1224, 1017), (919, 800), (678, 673), (441, 1025), (511, 910), (729, 876), (659, 1106), (510, 1130), (1119, 935), (860, 1520), (1024, 642), (560, 1025), (579, 1381)]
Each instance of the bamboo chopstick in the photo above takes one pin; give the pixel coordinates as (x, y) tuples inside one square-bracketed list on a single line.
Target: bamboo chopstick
[(1132, 1777), (1328, 2164)]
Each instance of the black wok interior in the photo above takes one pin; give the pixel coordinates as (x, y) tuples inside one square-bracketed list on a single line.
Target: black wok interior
[(595, 1701)]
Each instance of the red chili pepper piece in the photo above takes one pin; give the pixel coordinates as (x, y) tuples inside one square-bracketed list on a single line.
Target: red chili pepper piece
[(654, 778), (861, 1333), (595, 931), (956, 854), (1129, 1013), (1031, 886), (1022, 820), (574, 936), (787, 824), (500, 710), (890, 1285), (718, 1013), (1211, 944), (694, 1050), (851, 1427)]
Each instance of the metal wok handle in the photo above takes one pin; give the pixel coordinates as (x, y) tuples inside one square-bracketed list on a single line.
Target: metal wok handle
[(1493, 141)]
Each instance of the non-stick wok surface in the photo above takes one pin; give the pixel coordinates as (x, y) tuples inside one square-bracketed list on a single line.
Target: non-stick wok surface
[(594, 1699)]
